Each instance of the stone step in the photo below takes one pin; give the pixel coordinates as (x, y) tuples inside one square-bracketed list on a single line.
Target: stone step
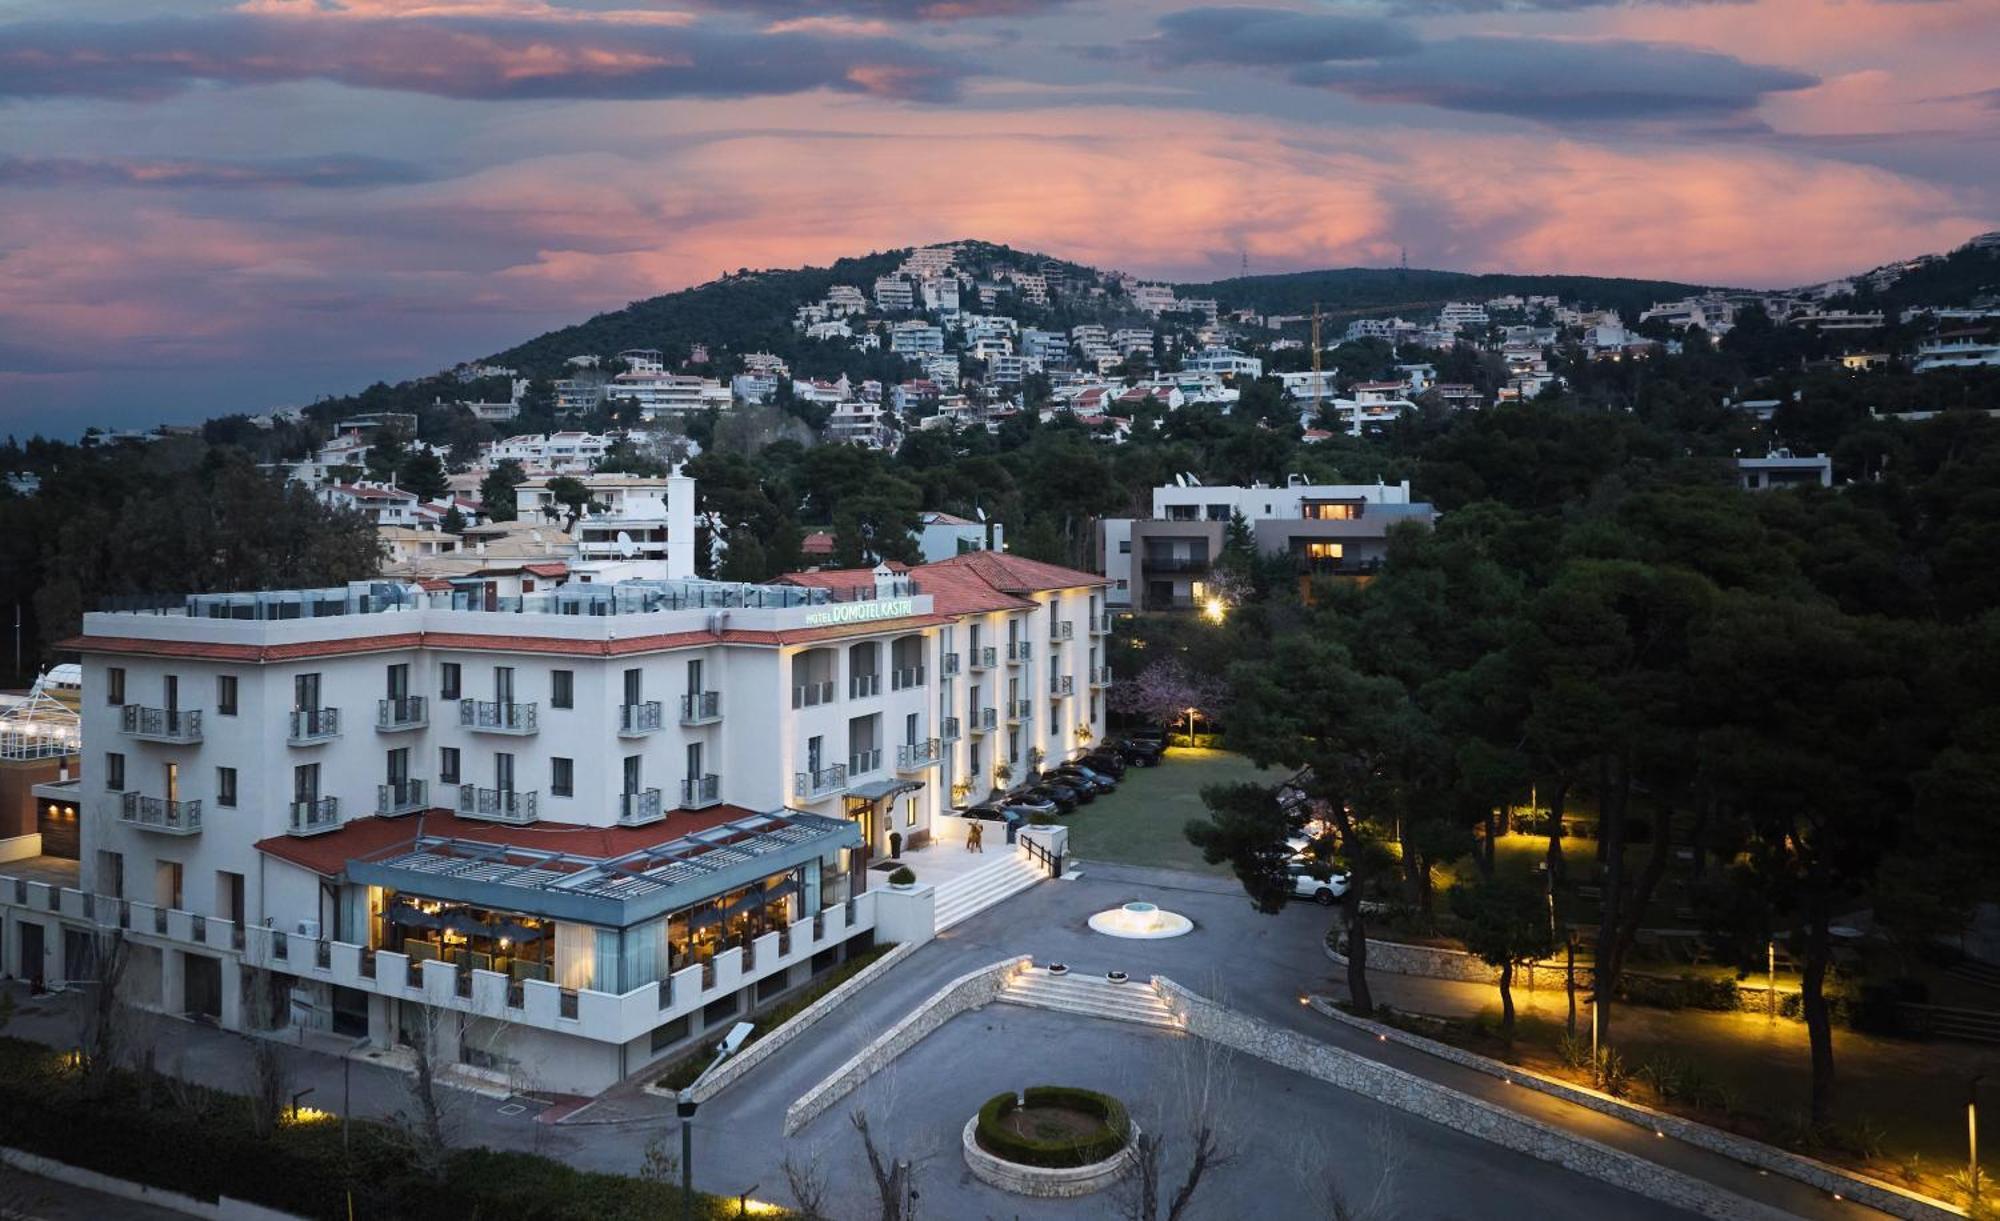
[(1134, 1001)]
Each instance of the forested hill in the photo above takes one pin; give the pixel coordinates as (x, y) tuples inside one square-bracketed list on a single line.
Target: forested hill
[(1348, 291)]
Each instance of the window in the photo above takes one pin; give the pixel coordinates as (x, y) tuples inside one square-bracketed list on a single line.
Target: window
[(562, 689), (717, 1012), (448, 765), (1323, 551), (972, 759), (562, 777), (114, 772), (1013, 746), (225, 786), (671, 1033), (111, 873), (114, 684), (909, 811), (1124, 546), (225, 695), (448, 680)]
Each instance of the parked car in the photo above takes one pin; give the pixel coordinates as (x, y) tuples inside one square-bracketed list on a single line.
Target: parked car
[(1028, 804), (1154, 735), (1106, 761), (1062, 797), (1140, 751), (1323, 891), (1085, 779)]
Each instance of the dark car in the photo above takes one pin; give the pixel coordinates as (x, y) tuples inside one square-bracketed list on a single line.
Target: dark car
[(1084, 792), (1156, 736), (1105, 760), (1062, 797), (1084, 778), (1140, 751), (990, 812)]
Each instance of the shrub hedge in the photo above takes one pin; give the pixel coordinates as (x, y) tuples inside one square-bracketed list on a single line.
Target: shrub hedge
[(994, 1137), (682, 1072)]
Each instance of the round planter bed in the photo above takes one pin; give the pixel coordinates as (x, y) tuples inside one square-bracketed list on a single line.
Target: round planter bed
[(1064, 1142)]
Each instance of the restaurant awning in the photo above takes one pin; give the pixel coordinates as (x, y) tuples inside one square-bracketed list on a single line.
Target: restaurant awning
[(517, 932), (410, 917), (877, 790)]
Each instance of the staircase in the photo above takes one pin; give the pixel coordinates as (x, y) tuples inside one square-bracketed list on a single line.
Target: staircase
[(1973, 971), (1945, 1022), (969, 894), (1091, 996)]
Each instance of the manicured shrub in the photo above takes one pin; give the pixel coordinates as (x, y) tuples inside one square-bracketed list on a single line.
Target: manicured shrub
[(1115, 1128), (904, 876)]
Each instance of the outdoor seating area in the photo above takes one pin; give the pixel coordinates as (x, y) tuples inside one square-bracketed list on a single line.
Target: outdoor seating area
[(472, 939)]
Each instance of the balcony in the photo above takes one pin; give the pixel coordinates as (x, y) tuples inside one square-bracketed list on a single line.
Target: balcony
[(861, 762), (700, 792), (312, 726), (159, 814), (916, 756), (1100, 676), (401, 797), (905, 677), (821, 783), (812, 695), (1018, 651), (396, 715), (702, 707), (948, 729), (496, 805), (488, 716), (1062, 684), (861, 686), (1177, 563), (1062, 629), (985, 720), (982, 659), (638, 809), (637, 720), (314, 816), (1019, 710), (1100, 624), (159, 724), (948, 665)]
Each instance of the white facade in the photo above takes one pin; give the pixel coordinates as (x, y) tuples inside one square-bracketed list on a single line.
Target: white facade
[(893, 293), (1956, 354), (916, 339), (643, 517)]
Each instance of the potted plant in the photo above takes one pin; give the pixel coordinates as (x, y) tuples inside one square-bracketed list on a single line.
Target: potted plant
[(1035, 757), (895, 845), (904, 878), (1003, 773)]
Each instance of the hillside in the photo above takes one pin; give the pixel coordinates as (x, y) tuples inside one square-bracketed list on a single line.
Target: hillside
[(1352, 290)]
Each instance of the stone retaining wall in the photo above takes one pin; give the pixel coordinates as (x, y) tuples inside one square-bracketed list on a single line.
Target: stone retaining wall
[(973, 990), (1462, 1112), (223, 1209), (1044, 1182), (1875, 1194)]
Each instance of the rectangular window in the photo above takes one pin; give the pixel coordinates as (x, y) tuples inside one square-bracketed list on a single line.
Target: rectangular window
[(111, 873), (562, 777), (225, 786), (114, 684), (671, 1033), (717, 1012), (562, 689), (448, 680), (448, 765), (114, 772), (1013, 746), (909, 811), (1124, 546), (225, 695)]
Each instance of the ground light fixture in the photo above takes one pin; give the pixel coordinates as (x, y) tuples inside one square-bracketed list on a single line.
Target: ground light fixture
[(685, 1107)]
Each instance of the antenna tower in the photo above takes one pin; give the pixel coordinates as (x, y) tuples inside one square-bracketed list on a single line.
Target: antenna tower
[(1319, 382)]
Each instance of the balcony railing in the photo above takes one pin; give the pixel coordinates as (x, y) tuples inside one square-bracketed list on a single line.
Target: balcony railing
[(1177, 563), (1100, 624), (812, 695), (700, 792), (160, 814), (984, 720), (160, 724), (637, 719), (906, 676), (489, 716), (496, 805), (313, 725), (819, 783), (1100, 676), (915, 756), (948, 665), (401, 797), (1062, 629), (948, 729), (638, 809), (701, 707), (1018, 651), (983, 659), (314, 816), (1019, 710), (409, 712), (861, 686), (861, 762), (1062, 684)]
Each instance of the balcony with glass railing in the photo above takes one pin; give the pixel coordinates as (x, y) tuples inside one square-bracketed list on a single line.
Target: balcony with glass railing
[(916, 756), (638, 809), (948, 729), (812, 695), (861, 762), (1100, 624), (491, 716), (702, 707), (314, 816), (1100, 676), (1062, 629), (823, 782), (159, 814), (401, 797), (637, 720), (700, 792), (982, 659), (408, 712), (312, 726), (948, 665), (160, 724), (862, 686), (1062, 684), (496, 805), (1019, 710), (985, 720), (904, 677)]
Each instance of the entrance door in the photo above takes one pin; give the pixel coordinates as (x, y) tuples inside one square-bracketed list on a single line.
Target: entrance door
[(34, 968), (203, 981)]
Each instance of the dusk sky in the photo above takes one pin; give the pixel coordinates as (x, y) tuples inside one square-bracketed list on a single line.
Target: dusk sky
[(220, 207)]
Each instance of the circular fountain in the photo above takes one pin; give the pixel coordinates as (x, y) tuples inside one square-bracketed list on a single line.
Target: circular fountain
[(1140, 922)]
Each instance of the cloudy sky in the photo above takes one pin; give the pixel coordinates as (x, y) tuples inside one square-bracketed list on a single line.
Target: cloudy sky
[(221, 206)]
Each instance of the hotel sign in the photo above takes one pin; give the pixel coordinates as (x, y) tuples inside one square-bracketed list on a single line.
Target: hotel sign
[(861, 612)]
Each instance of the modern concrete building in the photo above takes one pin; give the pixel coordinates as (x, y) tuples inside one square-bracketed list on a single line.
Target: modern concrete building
[(1781, 469), (632, 517)]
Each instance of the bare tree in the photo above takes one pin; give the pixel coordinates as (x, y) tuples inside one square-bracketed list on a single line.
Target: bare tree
[(1334, 1200), (894, 1176), (427, 1123), (1199, 1093), (270, 1075), (806, 1179), (103, 1017)]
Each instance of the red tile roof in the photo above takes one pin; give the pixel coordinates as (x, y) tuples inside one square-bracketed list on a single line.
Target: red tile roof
[(838, 578), (819, 542), (1014, 573), (328, 854)]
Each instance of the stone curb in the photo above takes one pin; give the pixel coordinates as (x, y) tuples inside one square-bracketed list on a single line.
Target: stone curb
[(1886, 1197), (1461, 1112), (1044, 1182), (972, 990)]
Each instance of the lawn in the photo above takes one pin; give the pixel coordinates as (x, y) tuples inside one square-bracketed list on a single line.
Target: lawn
[(1141, 823)]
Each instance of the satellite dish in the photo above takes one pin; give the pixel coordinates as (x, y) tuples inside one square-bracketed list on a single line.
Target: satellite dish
[(979, 511), (626, 548)]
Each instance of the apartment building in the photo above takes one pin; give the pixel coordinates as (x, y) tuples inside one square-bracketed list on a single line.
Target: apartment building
[(629, 517), (916, 339), (1163, 562), (894, 294), (586, 824), (1781, 468), (556, 453)]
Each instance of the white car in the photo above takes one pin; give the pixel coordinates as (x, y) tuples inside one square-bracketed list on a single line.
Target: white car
[(1323, 891)]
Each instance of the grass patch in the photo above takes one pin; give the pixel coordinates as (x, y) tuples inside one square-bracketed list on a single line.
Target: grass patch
[(1140, 823), (682, 1072)]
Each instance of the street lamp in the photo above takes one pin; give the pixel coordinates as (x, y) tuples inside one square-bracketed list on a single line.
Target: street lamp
[(1972, 1135), (685, 1105), (1190, 717)]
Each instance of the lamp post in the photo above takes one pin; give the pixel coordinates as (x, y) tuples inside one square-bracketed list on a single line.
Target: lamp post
[(685, 1106), (1972, 1135), (1190, 717)]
